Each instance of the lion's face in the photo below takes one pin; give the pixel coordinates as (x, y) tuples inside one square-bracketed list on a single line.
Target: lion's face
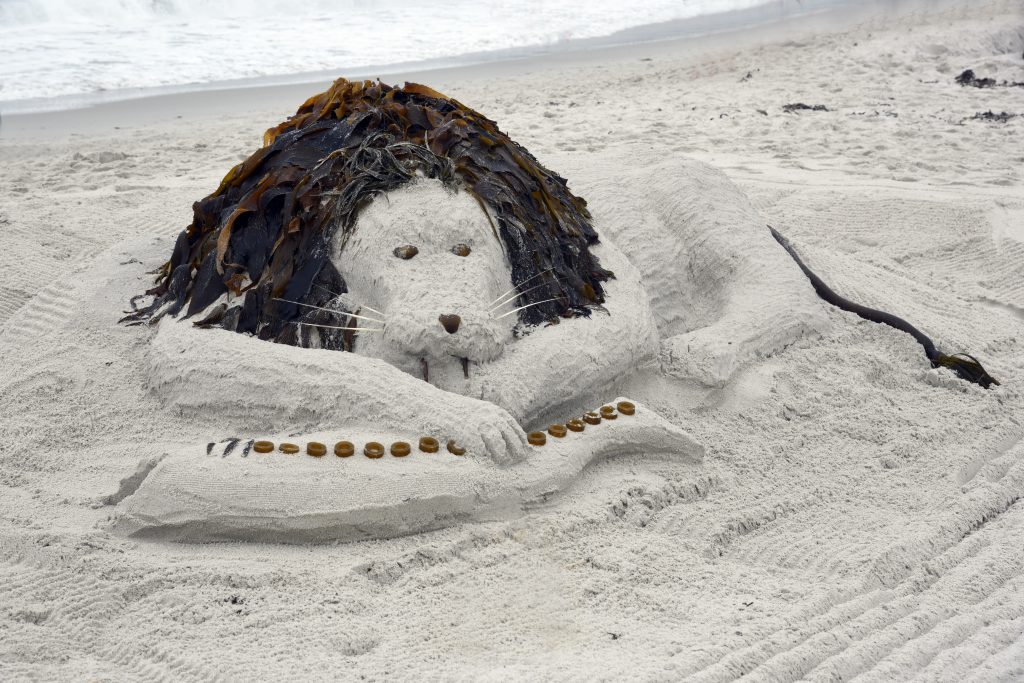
[(425, 262)]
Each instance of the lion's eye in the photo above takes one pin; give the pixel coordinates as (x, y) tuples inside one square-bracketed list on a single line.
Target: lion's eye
[(406, 251), (461, 250)]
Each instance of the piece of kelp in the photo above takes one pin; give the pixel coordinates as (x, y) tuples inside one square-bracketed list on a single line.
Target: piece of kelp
[(969, 79), (800, 106), (268, 231), (993, 117)]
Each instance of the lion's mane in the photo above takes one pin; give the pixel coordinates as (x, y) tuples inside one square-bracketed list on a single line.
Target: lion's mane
[(266, 233)]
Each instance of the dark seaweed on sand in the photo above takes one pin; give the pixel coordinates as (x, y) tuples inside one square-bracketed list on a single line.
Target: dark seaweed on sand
[(267, 232), (991, 116), (800, 106), (969, 79)]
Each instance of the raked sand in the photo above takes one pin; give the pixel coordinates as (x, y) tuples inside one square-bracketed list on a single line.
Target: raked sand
[(856, 514)]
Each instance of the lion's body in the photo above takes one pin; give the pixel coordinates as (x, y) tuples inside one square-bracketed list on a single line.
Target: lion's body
[(721, 290)]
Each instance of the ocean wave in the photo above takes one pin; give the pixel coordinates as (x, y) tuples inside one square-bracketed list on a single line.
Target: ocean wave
[(55, 48)]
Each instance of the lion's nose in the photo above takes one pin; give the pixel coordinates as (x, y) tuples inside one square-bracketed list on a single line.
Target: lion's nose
[(450, 323)]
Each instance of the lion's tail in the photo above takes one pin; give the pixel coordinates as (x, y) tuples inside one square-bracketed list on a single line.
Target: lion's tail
[(965, 366)]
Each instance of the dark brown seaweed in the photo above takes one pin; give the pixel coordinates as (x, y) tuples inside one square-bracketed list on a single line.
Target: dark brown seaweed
[(800, 106), (968, 78), (965, 366)]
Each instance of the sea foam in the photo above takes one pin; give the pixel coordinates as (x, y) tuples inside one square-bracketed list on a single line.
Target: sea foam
[(61, 48)]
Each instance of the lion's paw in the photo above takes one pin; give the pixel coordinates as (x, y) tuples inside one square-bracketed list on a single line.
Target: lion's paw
[(492, 431)]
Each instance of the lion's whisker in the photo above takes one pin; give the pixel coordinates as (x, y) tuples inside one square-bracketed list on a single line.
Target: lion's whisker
[(535, 303), (336, 327), (516, 287), (512, 299), (346, 295), (357, 305), (371, 310), (328, 290), (331, 310)]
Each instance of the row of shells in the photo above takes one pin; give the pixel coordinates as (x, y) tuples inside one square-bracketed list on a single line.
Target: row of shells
[(592, 417), (372, 449), (428, 444)]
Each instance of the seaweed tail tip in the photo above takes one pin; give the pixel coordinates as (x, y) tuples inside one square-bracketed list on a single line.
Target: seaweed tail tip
[(967, 367)]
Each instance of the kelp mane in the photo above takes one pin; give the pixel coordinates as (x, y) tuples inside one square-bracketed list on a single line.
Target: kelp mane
[(266, 233)]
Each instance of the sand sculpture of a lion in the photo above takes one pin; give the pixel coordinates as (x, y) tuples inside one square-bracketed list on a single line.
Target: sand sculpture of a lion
[(405, 233), (423, 274)]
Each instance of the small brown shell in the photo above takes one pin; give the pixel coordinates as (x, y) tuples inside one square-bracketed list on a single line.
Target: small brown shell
[(626, 407), (592, 418), (373, 449), (429, 444), (263, 446), (461, 249), (557, 430), (537, 438), (406, 251), (289, 448), (316, 449), (400, 449), (344, 449), (608, 413), (575, 425), (455, 449)]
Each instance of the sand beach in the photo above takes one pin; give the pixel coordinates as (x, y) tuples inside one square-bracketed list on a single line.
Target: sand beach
[(857, 515)]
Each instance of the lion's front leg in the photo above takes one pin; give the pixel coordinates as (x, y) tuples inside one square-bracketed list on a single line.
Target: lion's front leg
[(258, 387)]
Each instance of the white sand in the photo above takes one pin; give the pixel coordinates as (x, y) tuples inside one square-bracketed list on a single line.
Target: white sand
[(856, 514)]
